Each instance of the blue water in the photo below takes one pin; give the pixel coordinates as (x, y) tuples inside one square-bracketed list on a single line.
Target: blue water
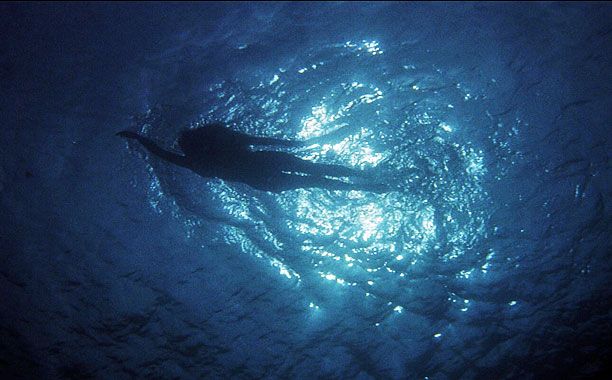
[(489, 259)]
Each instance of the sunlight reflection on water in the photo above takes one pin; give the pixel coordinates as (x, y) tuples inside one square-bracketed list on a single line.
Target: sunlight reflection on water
[(398, 130)]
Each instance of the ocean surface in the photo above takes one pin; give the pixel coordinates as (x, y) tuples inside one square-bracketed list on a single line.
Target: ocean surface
[(490, 257)]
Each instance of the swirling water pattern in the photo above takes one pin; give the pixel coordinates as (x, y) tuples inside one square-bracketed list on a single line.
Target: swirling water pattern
[(489, 258), (400, 119)]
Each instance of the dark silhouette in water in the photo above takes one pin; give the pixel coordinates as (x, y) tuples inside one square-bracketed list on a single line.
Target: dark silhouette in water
[(217, 151)]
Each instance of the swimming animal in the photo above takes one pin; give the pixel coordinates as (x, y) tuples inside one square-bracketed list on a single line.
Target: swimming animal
[(215, 151)]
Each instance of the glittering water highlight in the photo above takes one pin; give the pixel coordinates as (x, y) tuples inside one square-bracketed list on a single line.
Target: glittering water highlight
[(408, 125)]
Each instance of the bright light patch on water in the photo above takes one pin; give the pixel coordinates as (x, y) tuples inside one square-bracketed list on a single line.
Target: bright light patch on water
[(365, 118), (334, 278), (428, 225), (314, 125), (155, 192), (369, 219), (358, 153), (487, 264), (445, 127), (371, 47), (475, 161), (284, 271), (365, 235), (319, 122), (370, 98), (366, 156)]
